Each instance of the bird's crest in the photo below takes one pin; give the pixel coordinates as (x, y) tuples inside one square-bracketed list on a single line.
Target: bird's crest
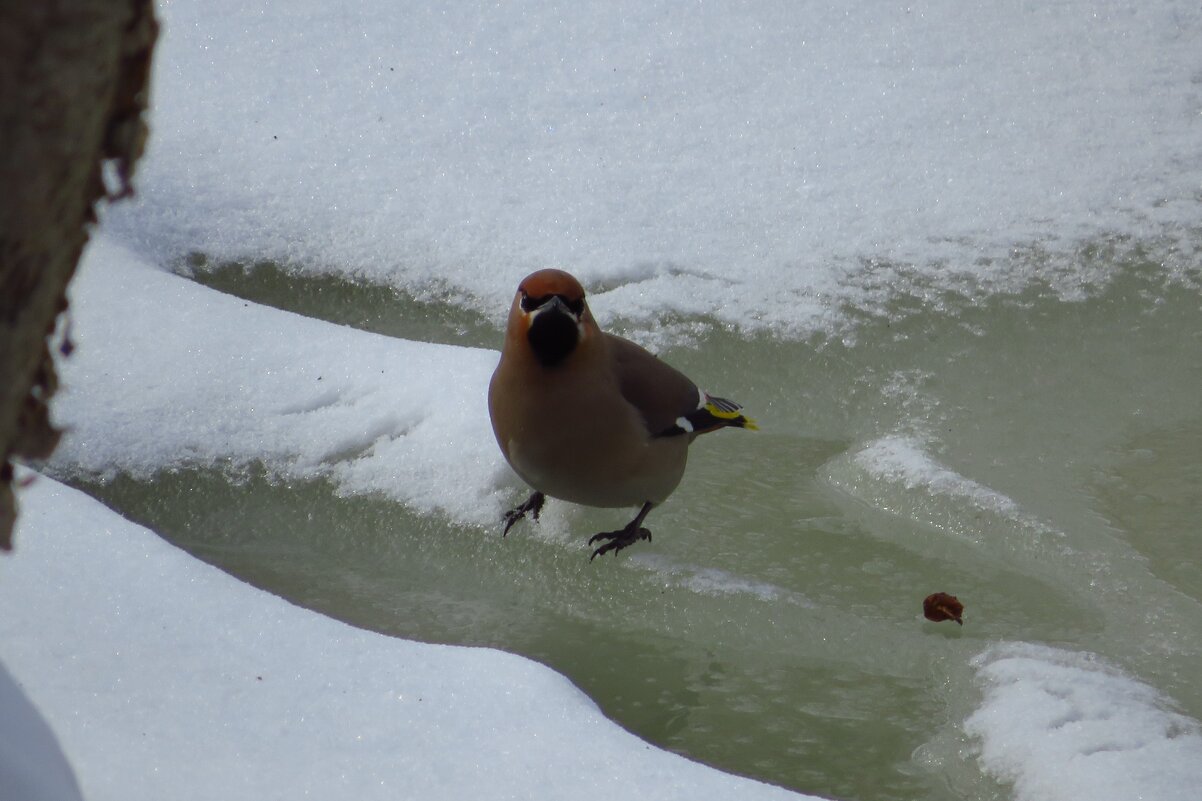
[(546, 283)]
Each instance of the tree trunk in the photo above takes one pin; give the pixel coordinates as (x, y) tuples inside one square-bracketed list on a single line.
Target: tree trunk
[(73, 85)]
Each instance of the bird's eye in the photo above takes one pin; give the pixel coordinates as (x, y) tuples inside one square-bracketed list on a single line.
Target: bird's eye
[(530, 303)]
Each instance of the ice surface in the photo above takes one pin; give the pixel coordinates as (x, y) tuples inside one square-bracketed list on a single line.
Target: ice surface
[(166, 678), (1066, 726), (899, 474), (762, 165), (168, 374), (759, 163), (905, 460), (714, 581)]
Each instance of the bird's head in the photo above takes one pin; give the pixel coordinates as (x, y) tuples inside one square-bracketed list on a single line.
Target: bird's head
[(550, 315)]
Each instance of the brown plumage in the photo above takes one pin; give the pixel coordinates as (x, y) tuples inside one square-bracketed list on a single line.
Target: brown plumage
[(589, 417)]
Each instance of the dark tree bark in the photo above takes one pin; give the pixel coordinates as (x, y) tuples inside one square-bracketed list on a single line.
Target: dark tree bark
[(73, 86)]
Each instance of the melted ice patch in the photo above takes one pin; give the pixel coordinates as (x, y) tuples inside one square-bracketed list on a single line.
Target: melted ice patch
[(713, 581), (166, 678), (1064, 726), (898, 474), (904, 460)]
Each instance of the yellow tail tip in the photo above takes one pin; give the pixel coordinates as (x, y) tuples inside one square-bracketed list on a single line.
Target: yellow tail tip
[(730, 413)]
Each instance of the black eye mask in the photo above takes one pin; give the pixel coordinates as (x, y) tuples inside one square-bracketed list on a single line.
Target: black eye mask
[(529, 303), (553, 335)]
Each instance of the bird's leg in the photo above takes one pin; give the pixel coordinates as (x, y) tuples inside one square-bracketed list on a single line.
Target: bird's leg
[(624, 536), (533, 505)]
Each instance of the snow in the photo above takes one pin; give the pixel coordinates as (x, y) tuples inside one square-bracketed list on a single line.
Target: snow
[(166, 678), (142, 656), (1064, 726), (757, 163), (764, 166), (204, 379), (32, 765)]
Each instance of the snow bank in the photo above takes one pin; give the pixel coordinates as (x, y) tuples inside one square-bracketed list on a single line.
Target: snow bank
[(761, 163), (167, 373), (1065, 726), (166, 678)]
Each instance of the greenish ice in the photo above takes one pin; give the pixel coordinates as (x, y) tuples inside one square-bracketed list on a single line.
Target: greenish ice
[(1035, 453)]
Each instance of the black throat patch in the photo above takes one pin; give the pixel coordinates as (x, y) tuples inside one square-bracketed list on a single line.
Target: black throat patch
[(553, 335)]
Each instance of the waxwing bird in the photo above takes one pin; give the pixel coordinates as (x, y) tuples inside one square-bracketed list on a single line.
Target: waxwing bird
[(589, 417)]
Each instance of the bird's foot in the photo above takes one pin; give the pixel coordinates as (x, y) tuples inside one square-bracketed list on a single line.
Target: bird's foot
[(619, 539), (533, 505)]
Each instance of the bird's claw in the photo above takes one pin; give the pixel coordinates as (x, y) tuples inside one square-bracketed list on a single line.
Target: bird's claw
[(533, 505), (618, 540)]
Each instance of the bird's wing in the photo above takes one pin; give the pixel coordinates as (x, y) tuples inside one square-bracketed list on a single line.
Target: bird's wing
[(660, 392), (669, 402)]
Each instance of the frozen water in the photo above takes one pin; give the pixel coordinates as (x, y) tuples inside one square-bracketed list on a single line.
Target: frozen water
[(765, 166), (167, 678), (897, 473), (905, 460)]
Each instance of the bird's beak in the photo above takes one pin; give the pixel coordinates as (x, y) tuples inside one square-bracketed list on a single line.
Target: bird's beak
[(555, 304), (554, 331)]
